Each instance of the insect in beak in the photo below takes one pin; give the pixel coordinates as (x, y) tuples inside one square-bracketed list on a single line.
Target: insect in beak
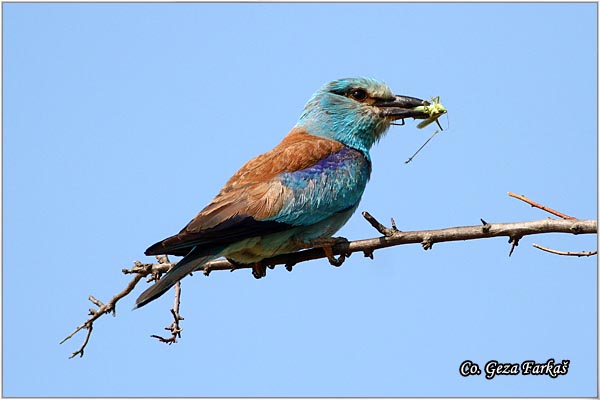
[(435, 109)]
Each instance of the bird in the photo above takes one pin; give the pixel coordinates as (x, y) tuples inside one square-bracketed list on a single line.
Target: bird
[(297, 195)]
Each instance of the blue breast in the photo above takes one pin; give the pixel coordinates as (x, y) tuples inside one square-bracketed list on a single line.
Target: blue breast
[(332, 185)]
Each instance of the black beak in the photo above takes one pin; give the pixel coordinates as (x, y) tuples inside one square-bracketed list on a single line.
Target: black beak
[(401, 107)]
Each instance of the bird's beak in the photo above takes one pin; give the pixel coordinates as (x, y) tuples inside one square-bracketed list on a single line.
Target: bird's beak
[(401, 107)]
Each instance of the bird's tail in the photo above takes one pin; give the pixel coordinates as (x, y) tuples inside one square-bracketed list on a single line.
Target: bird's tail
[(189, 263)]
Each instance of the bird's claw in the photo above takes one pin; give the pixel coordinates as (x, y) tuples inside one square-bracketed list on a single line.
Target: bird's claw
[(336, 262), (235, 265), (258, 269), (327, 245)]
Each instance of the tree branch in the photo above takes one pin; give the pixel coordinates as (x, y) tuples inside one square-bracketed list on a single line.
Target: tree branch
[(540, 206), (174, 328), (426, 238), (392, 237), (141, 270), (567, 253)]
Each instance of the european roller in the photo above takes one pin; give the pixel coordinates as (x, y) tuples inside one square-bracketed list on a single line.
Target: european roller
[(298, 194)]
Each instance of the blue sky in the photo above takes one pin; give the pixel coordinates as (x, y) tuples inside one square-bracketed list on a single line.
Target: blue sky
[(121, 121)]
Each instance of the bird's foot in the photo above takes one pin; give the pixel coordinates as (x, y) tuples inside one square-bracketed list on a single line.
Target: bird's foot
[(259, 270), (327, 245), (235, 265)]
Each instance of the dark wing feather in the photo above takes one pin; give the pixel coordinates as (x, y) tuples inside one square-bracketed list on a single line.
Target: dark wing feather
[(229, 231)]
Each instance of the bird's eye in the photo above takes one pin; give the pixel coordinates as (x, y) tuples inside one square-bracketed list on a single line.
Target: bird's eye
[(358, 94)]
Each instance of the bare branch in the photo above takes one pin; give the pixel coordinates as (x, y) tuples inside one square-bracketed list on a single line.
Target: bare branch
[(567, 253), (174, 328), (141, 270), (392, 237), (541, 207), (155, 270), (427, 238), (95, 314)]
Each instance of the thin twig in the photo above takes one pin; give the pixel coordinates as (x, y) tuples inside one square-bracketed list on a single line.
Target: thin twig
[(567, 253), (95, 314), (541, 207), (141, 270), (174, 328), (379, 226)]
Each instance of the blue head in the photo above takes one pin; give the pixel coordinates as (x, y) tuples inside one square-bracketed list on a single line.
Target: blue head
[(355, 111)]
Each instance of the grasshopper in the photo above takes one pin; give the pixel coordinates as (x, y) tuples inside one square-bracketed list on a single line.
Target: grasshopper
[(435, 109)]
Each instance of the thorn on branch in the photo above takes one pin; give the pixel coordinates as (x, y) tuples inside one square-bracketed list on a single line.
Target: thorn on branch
[(515, 242), (486, 227), (427, 243), (566, 253), (576, 229), (379, 226)]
